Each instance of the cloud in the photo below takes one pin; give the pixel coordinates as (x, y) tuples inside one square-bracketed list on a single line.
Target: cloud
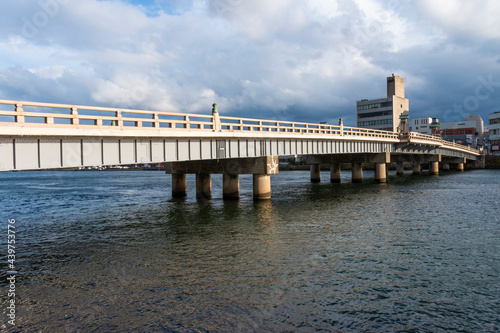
[(50, 72), (462, 18), (297, 60)]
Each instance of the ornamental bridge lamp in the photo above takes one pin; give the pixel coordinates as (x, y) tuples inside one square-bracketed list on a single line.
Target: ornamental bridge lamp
[(435, 129), (404, 124), (216, 120)]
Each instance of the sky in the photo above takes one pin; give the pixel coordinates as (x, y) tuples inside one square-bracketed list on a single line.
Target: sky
[(293, 60)]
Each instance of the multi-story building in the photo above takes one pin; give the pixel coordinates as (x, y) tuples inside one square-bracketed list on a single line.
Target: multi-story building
[(421, 125), (384, 113), (470, 131), (494, 132), (463, 132), (479, 125)]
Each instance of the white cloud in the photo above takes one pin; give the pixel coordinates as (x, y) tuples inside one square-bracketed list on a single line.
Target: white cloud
[(49, 72), (475, 19)]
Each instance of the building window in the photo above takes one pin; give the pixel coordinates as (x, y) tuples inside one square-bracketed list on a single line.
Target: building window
[(374, 106), (374, 114), (374, 122), (460, 132), (468, 132), (448, 132)]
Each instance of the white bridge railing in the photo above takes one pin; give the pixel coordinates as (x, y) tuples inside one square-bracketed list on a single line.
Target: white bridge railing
[(418, 137), (32, 114)]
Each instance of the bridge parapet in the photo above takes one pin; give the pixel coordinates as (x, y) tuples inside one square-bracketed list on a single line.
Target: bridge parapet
[(433, 140), (64, 116), (77, 116)]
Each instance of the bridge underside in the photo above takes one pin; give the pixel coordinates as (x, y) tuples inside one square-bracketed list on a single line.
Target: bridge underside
[(31, 153)]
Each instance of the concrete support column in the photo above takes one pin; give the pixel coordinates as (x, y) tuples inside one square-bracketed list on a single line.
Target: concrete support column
[(434, 168), (446, 166), (357, 173), (417, 168), (400, 168), (179, 185), (335, 173), (380, 173), (261, 187), (230, 186), (203, 186), (460, 167), (315, 173)]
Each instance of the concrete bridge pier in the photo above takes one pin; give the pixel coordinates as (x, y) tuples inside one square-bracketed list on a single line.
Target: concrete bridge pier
[(400, 168), (480, 162), (179, 185), (357, 172), (417, 167), (335, 173), (261, 167), (230, 186), (459, 162), (381, 172), (261, 187), (417, 160), (315, 173), (434, 168), (379, 159), (203, 186)]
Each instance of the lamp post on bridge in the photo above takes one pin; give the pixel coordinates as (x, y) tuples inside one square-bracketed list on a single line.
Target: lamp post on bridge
[(215, 114), (404, 123)]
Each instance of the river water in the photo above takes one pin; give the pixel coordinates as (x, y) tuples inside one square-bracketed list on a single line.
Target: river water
[(111, 251)]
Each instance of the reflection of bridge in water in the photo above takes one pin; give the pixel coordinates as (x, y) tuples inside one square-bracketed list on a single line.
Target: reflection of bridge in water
[(47, 136)]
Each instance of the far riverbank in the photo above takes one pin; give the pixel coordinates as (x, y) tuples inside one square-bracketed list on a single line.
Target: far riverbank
[(492, 162)]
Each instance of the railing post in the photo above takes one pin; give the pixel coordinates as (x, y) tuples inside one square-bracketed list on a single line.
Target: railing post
[(215, 114), (156, 119), (186, 124), (119, 121), (74, 118), (19, 110)]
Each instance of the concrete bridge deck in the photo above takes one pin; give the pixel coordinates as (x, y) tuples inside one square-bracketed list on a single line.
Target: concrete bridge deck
[(46, 136)]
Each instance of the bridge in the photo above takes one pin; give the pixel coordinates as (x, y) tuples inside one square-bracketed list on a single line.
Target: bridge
[(37, 136)]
